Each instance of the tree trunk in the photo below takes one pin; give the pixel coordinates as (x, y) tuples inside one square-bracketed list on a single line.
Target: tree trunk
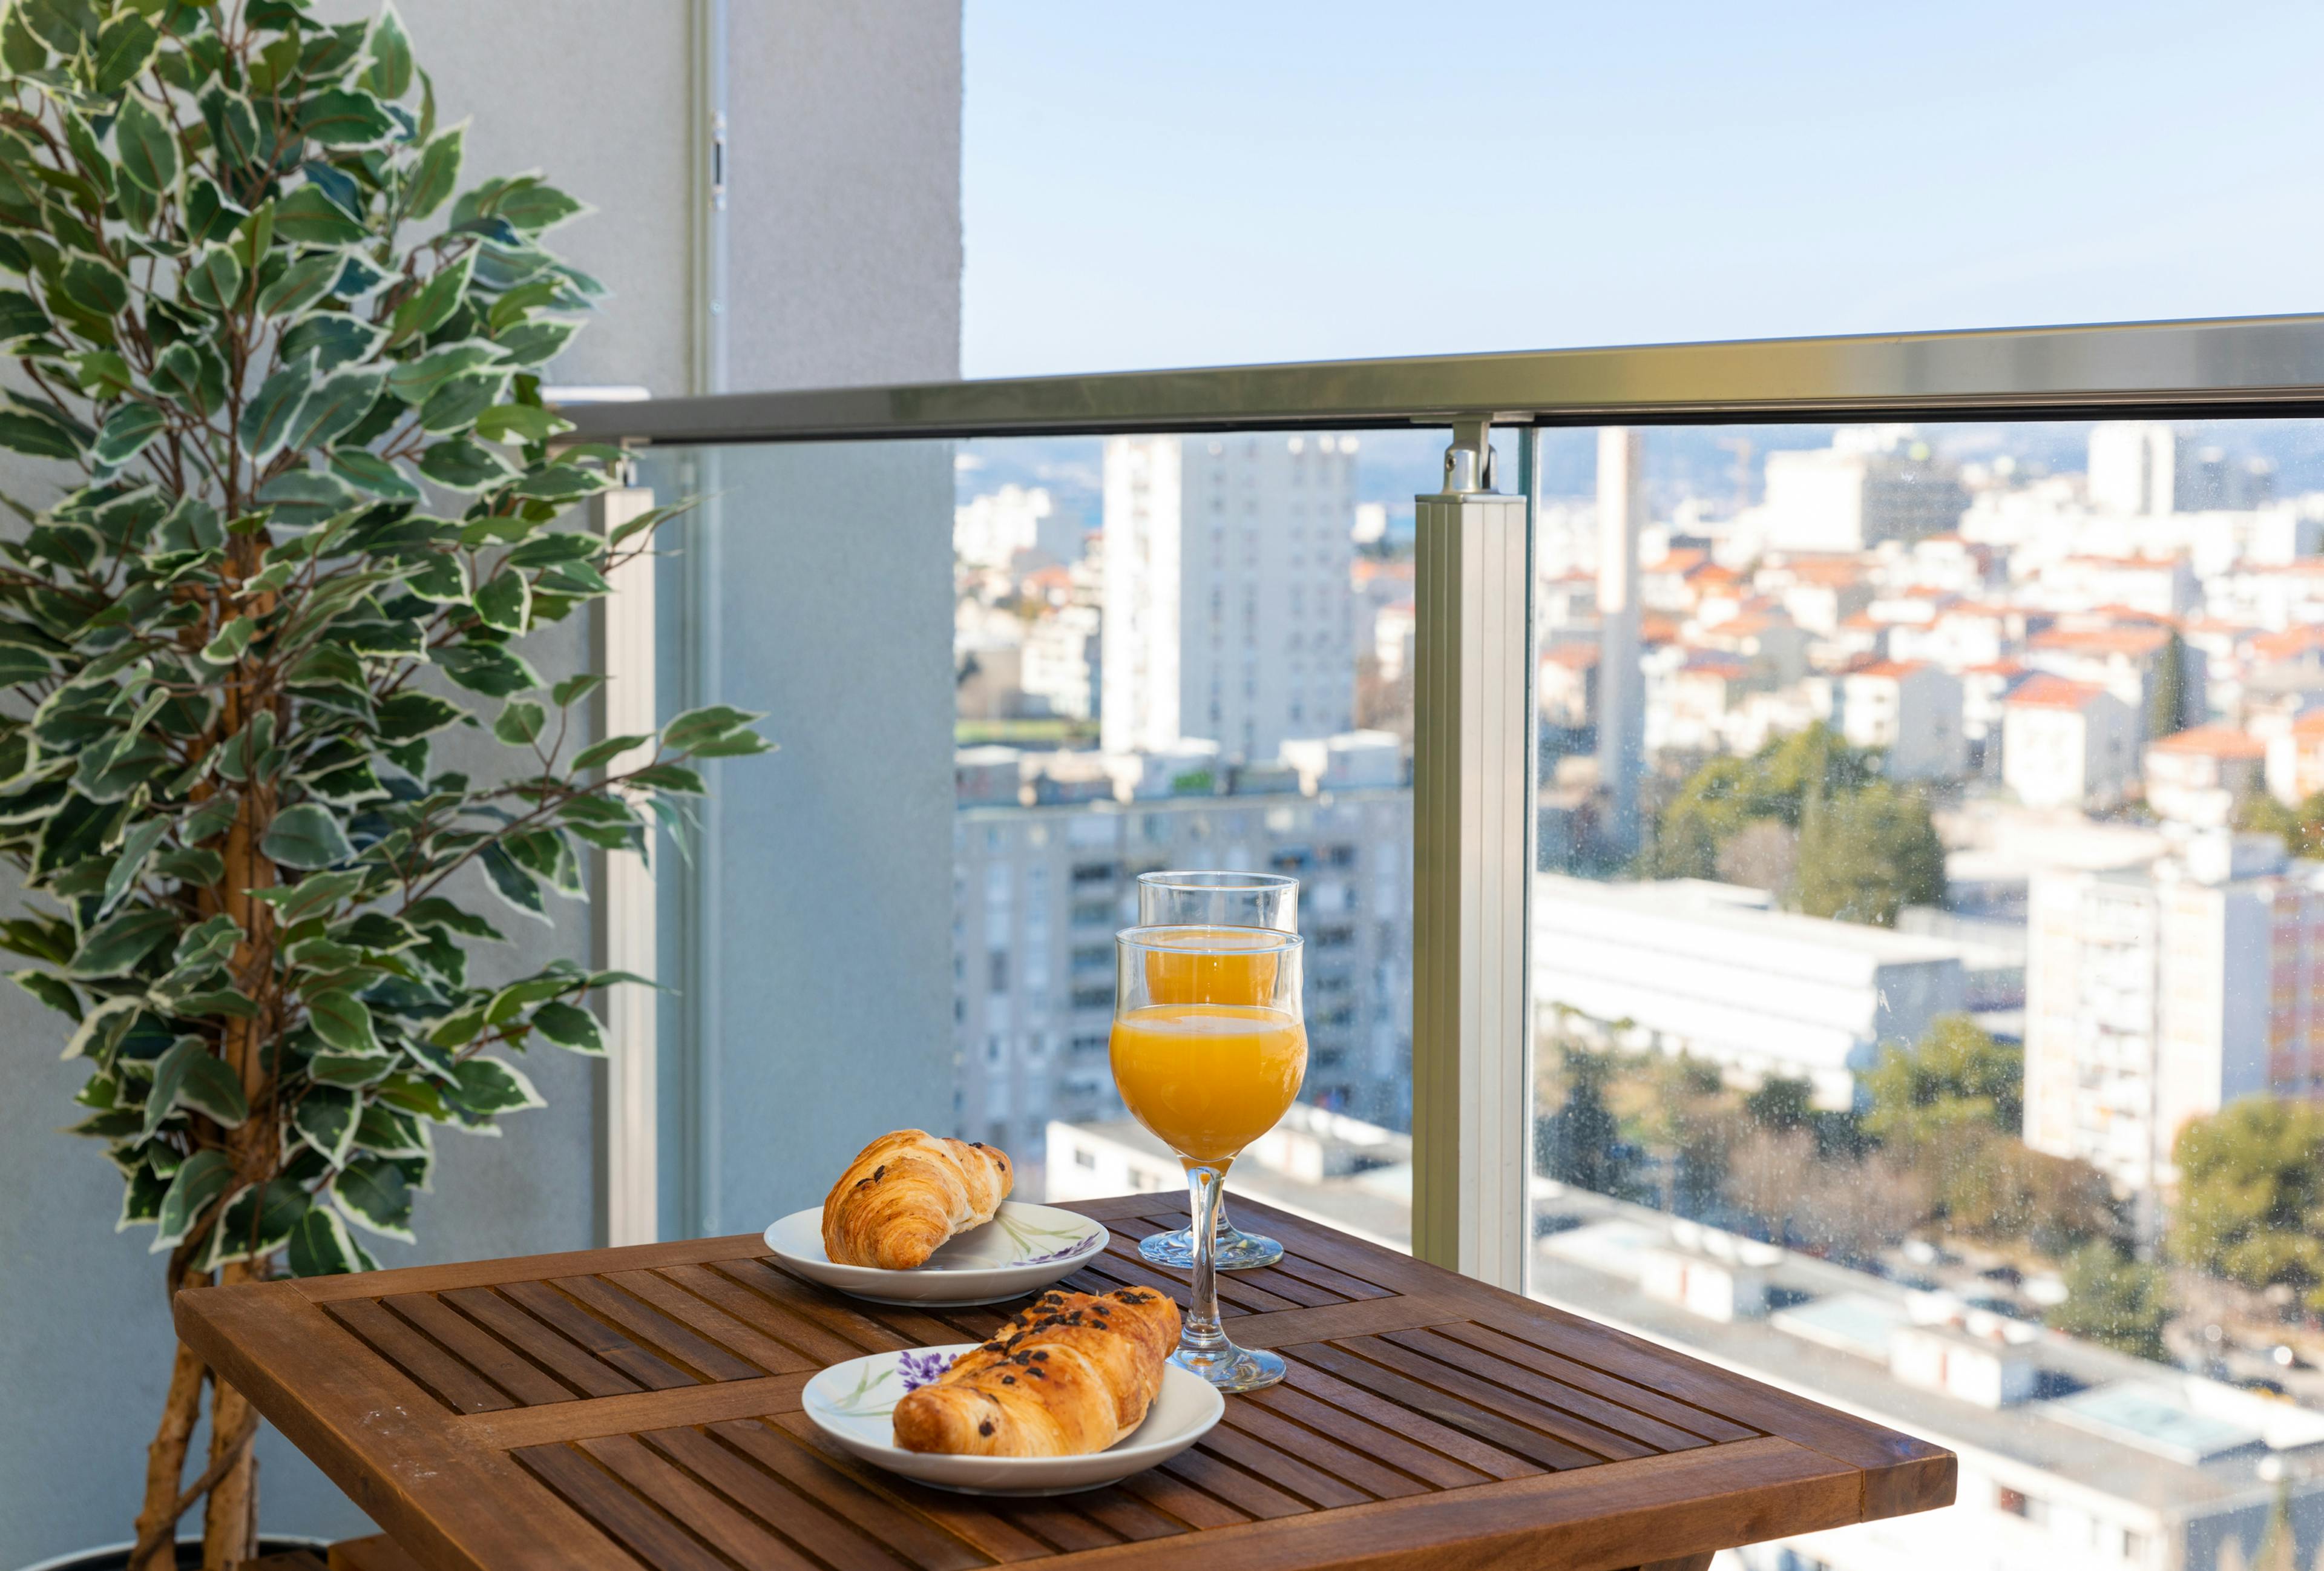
[(228, 1534), (165, 1459)]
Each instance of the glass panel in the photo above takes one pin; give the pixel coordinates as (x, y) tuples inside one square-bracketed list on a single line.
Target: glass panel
[(1186, 652), (1944, 1042)]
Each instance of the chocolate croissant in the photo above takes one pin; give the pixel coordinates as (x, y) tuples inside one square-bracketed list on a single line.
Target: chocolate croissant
[(906, 1194), (1071, 1375)]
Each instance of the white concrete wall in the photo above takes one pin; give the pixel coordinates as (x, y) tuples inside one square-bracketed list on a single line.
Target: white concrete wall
[(846, 257)]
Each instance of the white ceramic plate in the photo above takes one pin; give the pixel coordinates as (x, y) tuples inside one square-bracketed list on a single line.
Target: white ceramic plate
[(1022, 1250), (853, 1402)]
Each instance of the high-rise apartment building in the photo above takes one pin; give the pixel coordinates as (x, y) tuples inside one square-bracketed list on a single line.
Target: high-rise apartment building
[(1038, 894), (2156, 994), (1226, 591)]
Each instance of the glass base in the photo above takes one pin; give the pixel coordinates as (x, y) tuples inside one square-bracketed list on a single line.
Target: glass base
[(1233, 1369), (1237, 1250)]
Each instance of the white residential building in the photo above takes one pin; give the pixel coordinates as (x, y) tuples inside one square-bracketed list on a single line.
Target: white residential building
[(1039, 892), (2201, 776), (1063, 662), (1873, 484), (1912, 712), (2134, 467), (2155, 995), (1709, 969), (1227, 611), (991, 530), (2067, 745)]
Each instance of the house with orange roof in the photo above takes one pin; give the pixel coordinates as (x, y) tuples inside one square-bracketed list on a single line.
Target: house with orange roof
[(2201, 776), (2126, 658), (1983, 689), (1566, 687), (2295, 759), (1817, 592), (1912, 711), (2159, 586), (2066, 743)]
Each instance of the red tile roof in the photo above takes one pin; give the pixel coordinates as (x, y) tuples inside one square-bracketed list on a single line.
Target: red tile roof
[(1891, 669), (2212, 742), (2049, 692)]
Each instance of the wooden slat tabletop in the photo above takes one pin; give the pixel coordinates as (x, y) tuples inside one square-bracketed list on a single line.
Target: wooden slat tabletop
[(630, 1408)]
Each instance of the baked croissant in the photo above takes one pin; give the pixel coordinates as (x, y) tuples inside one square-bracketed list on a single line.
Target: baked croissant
[(1072, 1374), (906, 1194)]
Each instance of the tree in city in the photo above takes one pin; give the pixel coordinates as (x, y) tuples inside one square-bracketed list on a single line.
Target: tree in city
[(1678, 1110), (2250, 1204), (1956, 1078), (1866, 855), (2114, 1300), (279, 373), (1579, 1141), (1809, 818), (2301, 828), (2166, 700)]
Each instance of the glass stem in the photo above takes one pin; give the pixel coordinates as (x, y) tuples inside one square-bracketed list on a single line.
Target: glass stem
[(1200, 1332)]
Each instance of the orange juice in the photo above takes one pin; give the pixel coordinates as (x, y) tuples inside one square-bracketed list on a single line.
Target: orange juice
[(1208, 1078), (1224, 975)]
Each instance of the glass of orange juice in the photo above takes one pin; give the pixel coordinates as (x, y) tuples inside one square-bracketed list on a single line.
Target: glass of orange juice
[(1214, 899), (1209, 1069)]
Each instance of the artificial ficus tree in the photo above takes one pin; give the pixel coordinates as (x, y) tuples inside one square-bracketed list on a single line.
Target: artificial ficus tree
[(285, 367)]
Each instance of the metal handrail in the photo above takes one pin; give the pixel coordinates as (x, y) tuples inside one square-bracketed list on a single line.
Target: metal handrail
[(2247, 365)]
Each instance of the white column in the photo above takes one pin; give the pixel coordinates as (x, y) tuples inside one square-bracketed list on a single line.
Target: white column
[(626, 898)]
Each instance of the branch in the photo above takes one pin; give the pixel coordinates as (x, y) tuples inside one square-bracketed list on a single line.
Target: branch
[(165, 1529)]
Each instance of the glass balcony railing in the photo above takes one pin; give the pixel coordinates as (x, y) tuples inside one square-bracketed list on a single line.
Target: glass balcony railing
[(1811, 853)]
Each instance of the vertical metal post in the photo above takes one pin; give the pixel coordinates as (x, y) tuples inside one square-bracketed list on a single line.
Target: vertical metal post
[(626, 940), (1473, 869), (1621, 686)]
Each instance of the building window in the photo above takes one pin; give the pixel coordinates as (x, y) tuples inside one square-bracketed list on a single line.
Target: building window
[(1085, 1158), (998, 963)]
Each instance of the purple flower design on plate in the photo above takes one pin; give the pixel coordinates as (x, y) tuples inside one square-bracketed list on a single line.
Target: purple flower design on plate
[(1077, 1247), (918, 1369)]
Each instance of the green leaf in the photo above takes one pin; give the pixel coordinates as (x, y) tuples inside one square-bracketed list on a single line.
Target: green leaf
[(689, 730), (334, 408), (534, 342), (573, 689), (520, 722), (568, 1026), (520, 422), (504, 601), (490, 669), (21, 316), (301, 284), (198, 1182), (371, 472), (49, 990), (321, 1246), (306, 835), (326, 1117), (147, 149), (413, 380), (231, 641), (340, 117), (599, 753), (37, 435), (389, 49), (373, 1195), (122, 51), (409, 714), (456, 406), (460, 465), (307, 216), (114, 947), (266, 419), (188, 1075), (335, 340), (533, 207), (126, 431), (135, 848), (513, 884), (436, 911), (433, 303), (341, 1019), (259, 1220), (438, 173), (234, 132), (102, 1026), (485, 1086), (215, 282)]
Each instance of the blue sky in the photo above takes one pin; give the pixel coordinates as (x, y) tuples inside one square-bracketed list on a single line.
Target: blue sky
[(1199, 182)]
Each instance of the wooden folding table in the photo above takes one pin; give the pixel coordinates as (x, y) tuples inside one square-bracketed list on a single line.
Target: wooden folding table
[(628, 1407)]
